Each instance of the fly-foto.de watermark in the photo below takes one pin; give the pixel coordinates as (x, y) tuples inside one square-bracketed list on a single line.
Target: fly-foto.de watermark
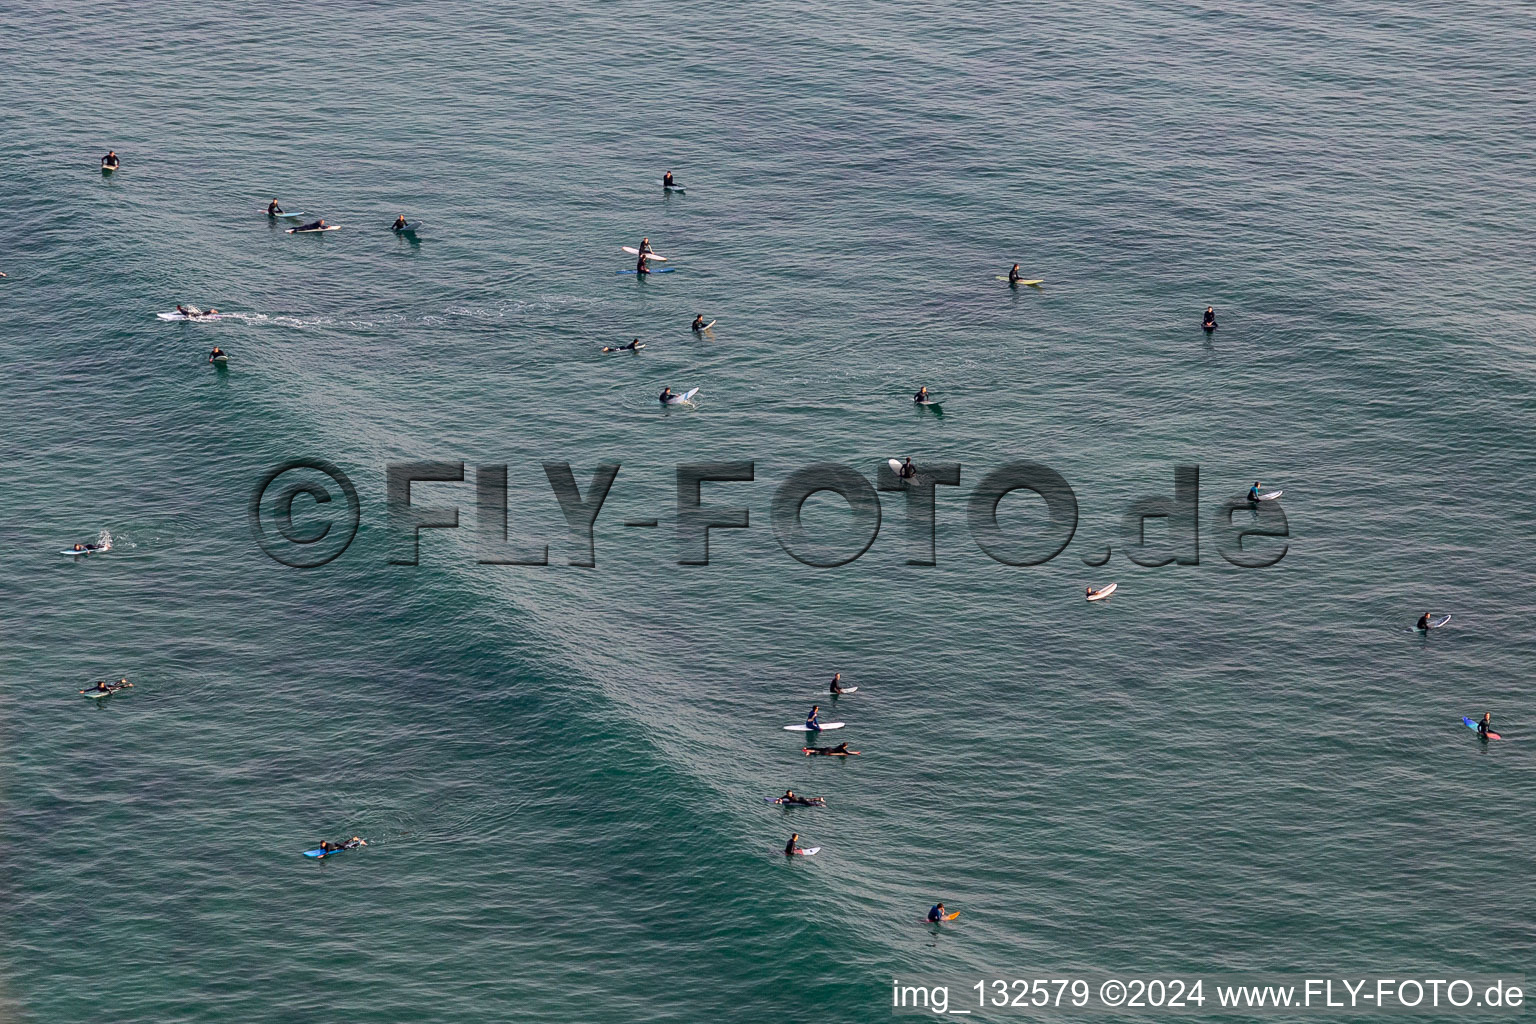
[(305, 512)]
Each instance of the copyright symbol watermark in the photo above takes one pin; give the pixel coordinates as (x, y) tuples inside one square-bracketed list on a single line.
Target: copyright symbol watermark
[(315, 532), (1112, 992)]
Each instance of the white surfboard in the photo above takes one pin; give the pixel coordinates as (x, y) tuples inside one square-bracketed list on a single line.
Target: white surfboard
[(709, 325), (183, 316), (846, 689), (1270, 496), (805, 728), (312, 231), (808, 851), (636, 252), (1103, 592), (895, 465)]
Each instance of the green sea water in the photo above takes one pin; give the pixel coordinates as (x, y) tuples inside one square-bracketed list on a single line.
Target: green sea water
[(561, 769)]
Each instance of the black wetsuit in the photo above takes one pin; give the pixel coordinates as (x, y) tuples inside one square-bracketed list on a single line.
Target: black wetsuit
[(311, 226), (908, 471), (1013, 277), (273, 210), (789, 848), (1482, 728), (1209, 322), (1424, 622)]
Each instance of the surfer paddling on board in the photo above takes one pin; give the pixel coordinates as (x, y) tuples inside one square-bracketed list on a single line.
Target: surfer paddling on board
[(1209, 323), (315, 225), (789, 797), (837, 683), (350, 844), (841, 750), (633, 346), (216, 353), (813, 719)]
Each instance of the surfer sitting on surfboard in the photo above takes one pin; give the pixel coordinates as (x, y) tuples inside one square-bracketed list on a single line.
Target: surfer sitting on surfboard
[(1253, 492), (922, 395), (667, 182), (110, 160), (841, 750), (398, 224), (1209, 323), (936, 913), (1423, 622), (837, 683), (1014, 277), (273, 209), (908, 471), (790, 849), (1484, 725), (812, 719), (216, 353)]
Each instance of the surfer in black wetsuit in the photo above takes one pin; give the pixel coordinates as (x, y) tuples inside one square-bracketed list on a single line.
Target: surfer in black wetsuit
[(790, 849), (1423, 622), (633, 346), (921, 396), (214, 355), (398, 224), (667, 182), (273, 209), (841, 750), (837, 683), (1014, 277), (698, 323), (642, 267), (908, 471), (312, 225), (110, 160), (1483, 726), (666, 393), (1209, 323), (789, 797)]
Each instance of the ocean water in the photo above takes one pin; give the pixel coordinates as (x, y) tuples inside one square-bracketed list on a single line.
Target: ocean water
[(560, 769)]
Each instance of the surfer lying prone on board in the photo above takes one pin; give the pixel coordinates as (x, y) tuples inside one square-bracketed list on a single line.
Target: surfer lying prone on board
[(789, 797), (350, 844), (90, 547), (633, 346), (841, 750), (192, 312)]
